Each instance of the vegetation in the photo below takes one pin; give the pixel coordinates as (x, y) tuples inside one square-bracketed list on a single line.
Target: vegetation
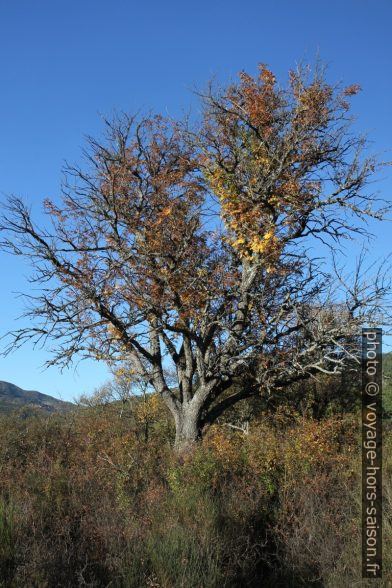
[(185, 258), (192, 249), (96, 496), (387, 384), (87, 500)]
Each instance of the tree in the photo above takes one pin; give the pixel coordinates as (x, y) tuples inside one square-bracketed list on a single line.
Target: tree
[(129, 396), (189, 248), (124, 386)]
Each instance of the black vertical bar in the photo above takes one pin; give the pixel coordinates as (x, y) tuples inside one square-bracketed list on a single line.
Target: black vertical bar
[(371, 453)]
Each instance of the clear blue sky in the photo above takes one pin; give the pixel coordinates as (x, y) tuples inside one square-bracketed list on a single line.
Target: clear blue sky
[(64, 62)]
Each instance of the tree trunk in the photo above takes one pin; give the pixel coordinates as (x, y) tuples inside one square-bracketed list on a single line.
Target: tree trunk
[(187, 428)]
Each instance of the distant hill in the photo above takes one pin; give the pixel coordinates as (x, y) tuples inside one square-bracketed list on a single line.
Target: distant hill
[(12, 397)]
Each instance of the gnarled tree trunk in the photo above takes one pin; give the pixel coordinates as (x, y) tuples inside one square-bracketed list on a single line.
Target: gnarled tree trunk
[(187, 421)]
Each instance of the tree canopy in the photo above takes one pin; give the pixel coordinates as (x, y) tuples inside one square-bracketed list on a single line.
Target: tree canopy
[(187, 247)]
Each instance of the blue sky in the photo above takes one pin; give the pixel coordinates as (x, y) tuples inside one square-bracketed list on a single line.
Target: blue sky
[(62, 63)]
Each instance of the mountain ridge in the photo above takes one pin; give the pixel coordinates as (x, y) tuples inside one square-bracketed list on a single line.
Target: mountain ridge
[(13, 397)]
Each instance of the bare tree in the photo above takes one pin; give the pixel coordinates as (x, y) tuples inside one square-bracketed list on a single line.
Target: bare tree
[(188, 250)]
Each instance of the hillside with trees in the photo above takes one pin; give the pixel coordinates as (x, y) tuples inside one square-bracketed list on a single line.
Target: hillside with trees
[(12, 397)]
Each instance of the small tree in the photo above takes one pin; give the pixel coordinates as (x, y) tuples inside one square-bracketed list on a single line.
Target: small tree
[(189, 250), (124, 386), (130, 397)]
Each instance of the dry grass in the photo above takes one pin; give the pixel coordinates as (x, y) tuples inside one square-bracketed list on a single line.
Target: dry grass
[(86, 502)]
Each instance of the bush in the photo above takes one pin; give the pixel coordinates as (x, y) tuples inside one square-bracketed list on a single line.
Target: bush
[(84, 501)]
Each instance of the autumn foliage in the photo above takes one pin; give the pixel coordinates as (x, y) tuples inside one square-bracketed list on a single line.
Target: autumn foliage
[(189, 249), (199, 259), (85, 500)]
